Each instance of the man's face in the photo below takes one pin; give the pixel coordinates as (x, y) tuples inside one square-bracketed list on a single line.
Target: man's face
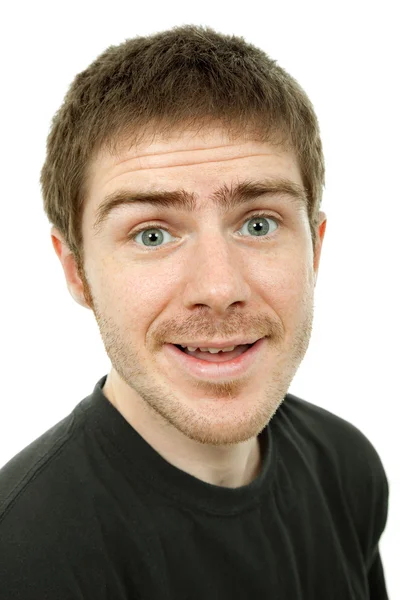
[(202, 275)]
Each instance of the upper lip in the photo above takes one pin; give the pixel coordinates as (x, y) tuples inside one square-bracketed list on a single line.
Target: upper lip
[(223, 344)]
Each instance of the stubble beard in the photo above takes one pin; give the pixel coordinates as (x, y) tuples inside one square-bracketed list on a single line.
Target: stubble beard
[(161, 404)]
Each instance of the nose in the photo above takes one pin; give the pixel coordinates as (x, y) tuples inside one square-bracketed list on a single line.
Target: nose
[(215, 275)]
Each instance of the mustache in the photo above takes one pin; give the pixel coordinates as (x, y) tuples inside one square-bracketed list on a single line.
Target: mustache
[(193, 327)]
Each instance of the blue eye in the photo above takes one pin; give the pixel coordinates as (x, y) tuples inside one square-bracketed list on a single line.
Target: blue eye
[(153, 236), (258, 227), (261, 225)]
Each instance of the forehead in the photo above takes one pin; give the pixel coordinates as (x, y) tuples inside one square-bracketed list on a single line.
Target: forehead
[(181, 148)]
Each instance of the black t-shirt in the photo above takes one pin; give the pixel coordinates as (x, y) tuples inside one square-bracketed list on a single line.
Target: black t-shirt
[(90, 510)]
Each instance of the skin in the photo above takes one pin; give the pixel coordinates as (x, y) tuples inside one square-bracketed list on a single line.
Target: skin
[(204, 281)]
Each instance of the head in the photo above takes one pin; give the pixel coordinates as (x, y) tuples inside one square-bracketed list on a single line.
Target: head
[(205, 119)]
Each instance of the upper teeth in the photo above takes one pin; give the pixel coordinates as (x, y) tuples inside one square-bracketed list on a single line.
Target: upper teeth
[(212, 350)]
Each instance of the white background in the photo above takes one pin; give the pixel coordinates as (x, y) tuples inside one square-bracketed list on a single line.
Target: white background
[(346, 57)]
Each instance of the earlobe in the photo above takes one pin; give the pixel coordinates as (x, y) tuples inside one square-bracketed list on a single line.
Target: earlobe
[(68, 263)]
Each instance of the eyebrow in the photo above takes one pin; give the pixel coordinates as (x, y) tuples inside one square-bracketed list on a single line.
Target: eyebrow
[(227, 198)]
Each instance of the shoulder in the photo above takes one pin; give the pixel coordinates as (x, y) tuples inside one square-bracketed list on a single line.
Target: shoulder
[(37, 489), (34, 462), (344, 459), (333, 436)]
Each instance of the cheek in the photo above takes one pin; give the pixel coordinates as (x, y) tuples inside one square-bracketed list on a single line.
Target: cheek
[(135, 294), (288, 288)]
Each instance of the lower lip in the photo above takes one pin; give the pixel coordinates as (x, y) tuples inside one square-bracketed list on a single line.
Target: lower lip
[(214, 371)]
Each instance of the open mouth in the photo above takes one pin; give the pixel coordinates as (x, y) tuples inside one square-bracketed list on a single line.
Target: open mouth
[(219, 366), (216, 357)]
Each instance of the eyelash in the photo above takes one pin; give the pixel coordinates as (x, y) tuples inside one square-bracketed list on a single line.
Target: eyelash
[(266, 238)]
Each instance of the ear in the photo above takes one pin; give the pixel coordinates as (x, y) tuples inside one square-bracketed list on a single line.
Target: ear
[(67, 259), (318, 243)]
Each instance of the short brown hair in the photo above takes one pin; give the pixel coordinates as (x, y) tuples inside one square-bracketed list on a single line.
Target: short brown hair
[(186, 77)]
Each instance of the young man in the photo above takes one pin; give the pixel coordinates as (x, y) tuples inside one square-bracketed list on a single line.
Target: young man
[(183, 179)]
